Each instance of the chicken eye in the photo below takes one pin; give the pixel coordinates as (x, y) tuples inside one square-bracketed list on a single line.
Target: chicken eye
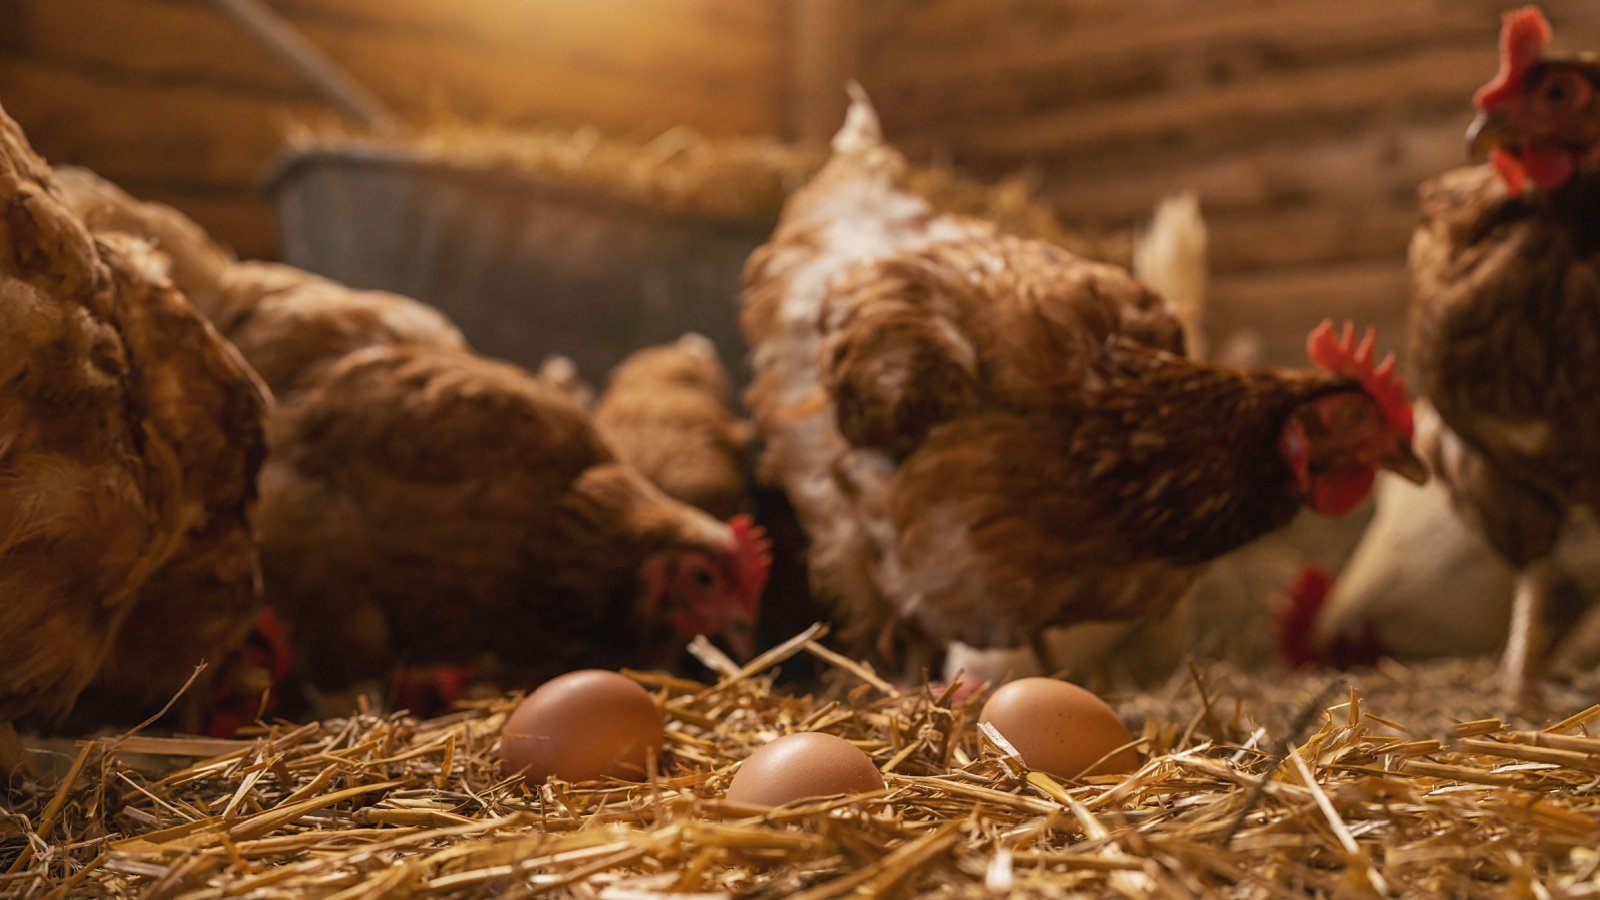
[(1352, 416), (1565, 89), (702, 578)]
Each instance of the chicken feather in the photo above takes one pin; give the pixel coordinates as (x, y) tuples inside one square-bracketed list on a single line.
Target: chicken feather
[(284, 320), (427, 504), (665, 412), (130, 436), (985, 435), (422, 505)]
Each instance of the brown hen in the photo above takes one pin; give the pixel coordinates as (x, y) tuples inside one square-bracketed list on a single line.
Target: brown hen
[(665, 412), (130, 437), (426, 505), (1505, 318), (985, 435)]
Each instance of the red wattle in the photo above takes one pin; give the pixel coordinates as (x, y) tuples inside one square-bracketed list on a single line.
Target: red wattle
[(1510, 170), (1336, 493), (1548, 166)]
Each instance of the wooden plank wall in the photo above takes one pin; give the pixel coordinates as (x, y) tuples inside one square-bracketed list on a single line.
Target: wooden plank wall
[(1305, 125), (171, 99)]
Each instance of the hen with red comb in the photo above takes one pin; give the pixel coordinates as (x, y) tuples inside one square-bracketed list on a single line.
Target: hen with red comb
[(1539, 117), (1505, 318), (428, 506), (985, 436)]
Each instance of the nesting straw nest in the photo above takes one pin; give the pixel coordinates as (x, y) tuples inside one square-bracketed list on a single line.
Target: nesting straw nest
[(682, 172), (677, 172), (380, 805)]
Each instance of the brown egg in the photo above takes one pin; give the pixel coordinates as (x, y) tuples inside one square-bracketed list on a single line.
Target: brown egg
[(1060, 728), (802, 766), (582, 726)]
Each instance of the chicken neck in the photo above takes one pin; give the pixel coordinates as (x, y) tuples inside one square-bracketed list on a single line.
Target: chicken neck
[(1187, 455)]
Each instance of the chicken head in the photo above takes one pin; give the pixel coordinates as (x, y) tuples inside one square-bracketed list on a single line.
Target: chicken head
[(252, 680), (1539, 119), (699, 592), (1336, 442)]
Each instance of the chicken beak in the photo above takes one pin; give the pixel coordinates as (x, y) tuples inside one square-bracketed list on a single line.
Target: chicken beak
[(1492, 128), (1403, 461)]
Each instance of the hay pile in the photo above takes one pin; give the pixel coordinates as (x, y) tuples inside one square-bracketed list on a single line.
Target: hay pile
[(677, 172), (384, 804), (681, 172)]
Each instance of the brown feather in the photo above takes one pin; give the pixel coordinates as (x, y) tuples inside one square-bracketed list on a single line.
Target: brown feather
[(129, 442), (284, 320), (1505, 333), (984, 435), (665, 412), (424, 504)]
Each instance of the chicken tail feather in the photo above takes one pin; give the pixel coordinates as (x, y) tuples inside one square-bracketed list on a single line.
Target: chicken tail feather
[(861, 130), (1170, 258)]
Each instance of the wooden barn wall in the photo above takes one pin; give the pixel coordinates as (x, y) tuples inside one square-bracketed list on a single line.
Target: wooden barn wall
[(172, 100), (1304, 125)]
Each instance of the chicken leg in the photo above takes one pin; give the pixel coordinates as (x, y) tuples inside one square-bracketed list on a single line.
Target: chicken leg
[(993, 666), (1525, 642)]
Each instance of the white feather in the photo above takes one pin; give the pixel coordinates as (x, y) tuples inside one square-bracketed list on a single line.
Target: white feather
[(1170, 258)]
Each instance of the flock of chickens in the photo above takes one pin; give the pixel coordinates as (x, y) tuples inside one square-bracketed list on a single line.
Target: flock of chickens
[(317, 489)]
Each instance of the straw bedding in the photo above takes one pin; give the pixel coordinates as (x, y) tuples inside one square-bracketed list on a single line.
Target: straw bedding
[(1394, 787), (680, 172)]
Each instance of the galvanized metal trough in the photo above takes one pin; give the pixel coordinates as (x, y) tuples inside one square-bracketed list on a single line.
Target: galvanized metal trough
[(525, 268)]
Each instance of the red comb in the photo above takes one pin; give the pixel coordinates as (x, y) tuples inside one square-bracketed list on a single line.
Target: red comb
[(1341, 355), (752, 556), (1297, 625), (430, 691), (266, 647), (1523, 34), (1298, 619)]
